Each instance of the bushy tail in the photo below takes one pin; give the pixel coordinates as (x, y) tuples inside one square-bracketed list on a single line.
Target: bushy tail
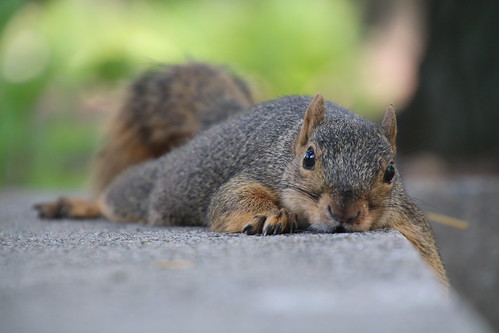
[(164, 110)]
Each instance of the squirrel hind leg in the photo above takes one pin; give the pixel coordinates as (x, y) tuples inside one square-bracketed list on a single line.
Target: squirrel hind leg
[(69, 208)]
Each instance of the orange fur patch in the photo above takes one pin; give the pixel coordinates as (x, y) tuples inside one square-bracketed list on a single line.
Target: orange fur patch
[(426, 246), (70, 207), (243, 204), (233, 222)]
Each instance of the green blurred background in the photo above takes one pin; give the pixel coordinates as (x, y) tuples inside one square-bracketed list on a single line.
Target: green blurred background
[(65, 66), (66, 63)]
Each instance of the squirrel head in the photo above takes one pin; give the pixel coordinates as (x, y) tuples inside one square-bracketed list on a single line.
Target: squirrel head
[(343, 172)]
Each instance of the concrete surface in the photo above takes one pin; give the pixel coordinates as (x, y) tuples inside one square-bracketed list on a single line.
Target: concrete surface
[(471, 256), (98, 276)]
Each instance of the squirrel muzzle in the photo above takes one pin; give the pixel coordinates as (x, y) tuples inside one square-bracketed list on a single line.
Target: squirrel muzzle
[(337, 213), (350, 214)]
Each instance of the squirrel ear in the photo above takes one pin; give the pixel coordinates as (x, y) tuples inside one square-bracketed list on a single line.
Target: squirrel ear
[(313, 117), (389, 125)]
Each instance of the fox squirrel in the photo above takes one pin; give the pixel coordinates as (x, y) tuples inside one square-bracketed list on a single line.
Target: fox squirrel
[(183, 152)]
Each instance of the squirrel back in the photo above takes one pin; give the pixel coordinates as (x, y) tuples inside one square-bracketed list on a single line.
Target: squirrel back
[(165, 109)]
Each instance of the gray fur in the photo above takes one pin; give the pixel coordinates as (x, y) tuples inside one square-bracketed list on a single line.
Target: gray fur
[(353, 154), (259, 145)]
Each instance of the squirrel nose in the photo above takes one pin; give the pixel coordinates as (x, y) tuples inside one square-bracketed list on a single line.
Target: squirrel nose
[(344, 216)]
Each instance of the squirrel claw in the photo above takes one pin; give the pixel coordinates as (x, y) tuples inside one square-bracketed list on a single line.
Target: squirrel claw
[(277, 228), (52, 210), (280, 222), (255, 226), (274, 223), (248, 228), (268, 230)]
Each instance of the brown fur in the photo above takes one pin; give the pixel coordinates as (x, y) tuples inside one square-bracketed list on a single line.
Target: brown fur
[(389, 125), (71, 208), (313, 117), (421, 237)]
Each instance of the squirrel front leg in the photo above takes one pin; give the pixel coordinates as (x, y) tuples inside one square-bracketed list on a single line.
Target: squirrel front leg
[(244, 205)]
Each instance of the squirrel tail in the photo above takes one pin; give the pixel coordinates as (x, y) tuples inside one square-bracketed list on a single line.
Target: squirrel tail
[(164, 110)]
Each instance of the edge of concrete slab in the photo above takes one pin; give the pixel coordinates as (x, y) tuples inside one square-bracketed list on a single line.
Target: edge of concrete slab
[(82, 276)]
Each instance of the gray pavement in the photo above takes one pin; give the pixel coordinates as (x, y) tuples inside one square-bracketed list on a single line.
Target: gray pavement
[(98, 276), (471, 256)]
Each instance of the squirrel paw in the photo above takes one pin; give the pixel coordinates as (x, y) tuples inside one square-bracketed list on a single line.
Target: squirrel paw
[(66, 207), (55, 209), (275, 222)]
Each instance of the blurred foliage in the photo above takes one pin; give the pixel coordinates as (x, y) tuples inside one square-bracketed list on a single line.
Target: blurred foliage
[(63, 61)]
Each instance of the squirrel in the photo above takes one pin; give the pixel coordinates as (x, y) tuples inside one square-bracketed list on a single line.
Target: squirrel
[(288, 164)]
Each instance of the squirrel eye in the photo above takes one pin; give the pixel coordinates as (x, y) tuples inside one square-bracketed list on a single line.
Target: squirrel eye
[(389, 173), (309, 159)]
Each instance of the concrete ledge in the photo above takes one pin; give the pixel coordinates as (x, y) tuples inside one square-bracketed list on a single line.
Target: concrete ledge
[(97, 276)]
